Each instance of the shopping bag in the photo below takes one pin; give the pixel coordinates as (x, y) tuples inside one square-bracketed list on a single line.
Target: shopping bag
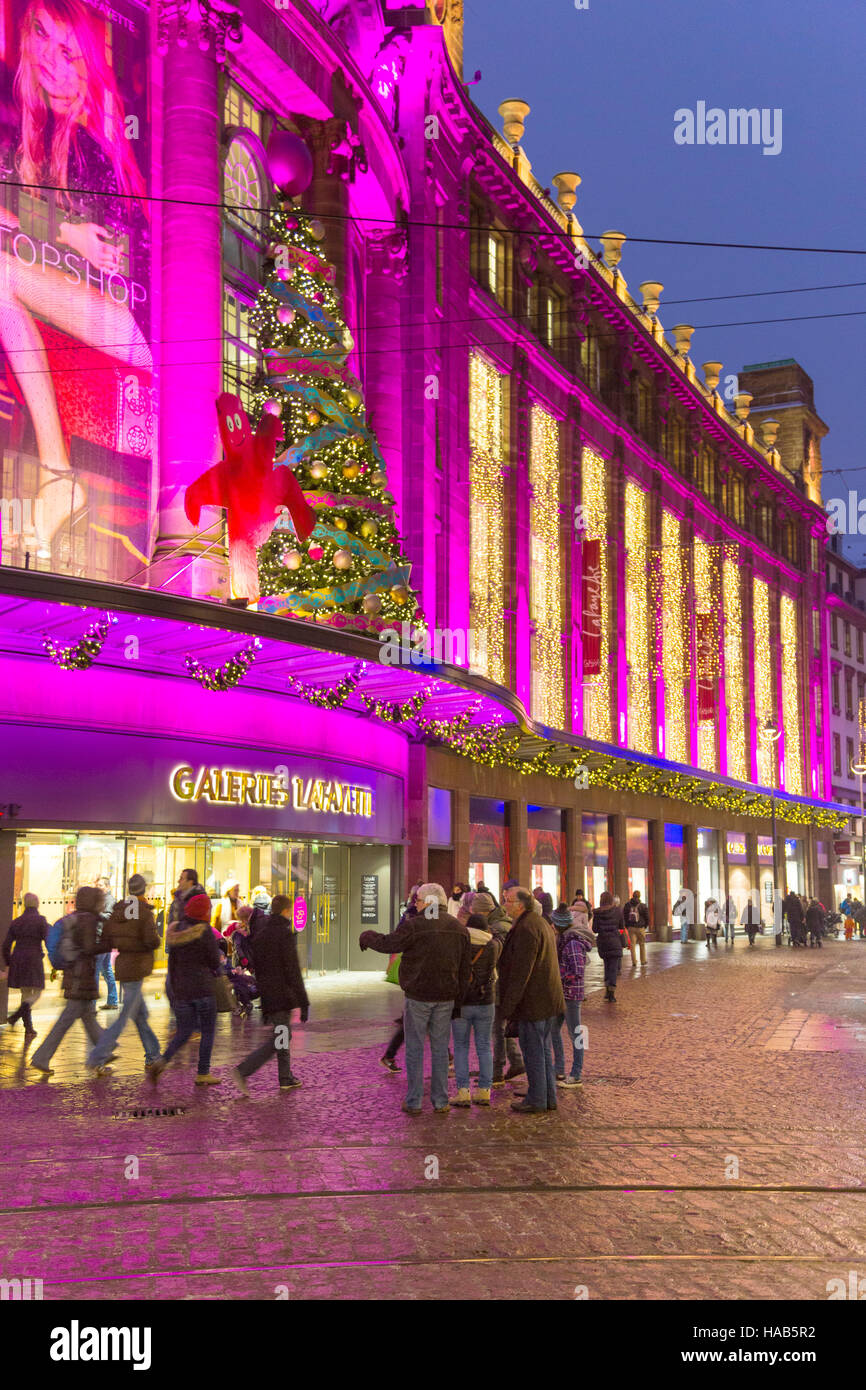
[(223, 994), (392, 973)]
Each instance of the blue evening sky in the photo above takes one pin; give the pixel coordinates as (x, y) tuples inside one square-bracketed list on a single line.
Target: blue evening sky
[(604, 83)]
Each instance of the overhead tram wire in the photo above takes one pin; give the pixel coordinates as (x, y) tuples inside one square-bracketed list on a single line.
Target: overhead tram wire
[(441, 226), (404, 349)]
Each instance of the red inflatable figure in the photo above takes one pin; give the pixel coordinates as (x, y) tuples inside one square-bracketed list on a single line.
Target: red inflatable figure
[(253, 492)]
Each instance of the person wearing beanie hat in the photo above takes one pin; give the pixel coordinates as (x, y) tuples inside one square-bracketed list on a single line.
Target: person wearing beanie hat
[(131, 930), (194, 959)]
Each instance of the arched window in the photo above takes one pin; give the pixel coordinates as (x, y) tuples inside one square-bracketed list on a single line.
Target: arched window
[(244, 184)]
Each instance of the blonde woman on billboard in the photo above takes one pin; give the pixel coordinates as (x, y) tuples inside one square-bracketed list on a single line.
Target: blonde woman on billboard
[(72, 147)]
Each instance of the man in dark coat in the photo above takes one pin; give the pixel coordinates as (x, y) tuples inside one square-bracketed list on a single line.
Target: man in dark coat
[(607, 925), (793, 909), (133, 933), (530, 995), (499, 923), (79, 948), (752, 918), (434, 976), (815, 922), (188, 887), (275, 960), (22, 953)]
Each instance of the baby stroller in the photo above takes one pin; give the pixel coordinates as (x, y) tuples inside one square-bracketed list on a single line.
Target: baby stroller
[(246, 990)]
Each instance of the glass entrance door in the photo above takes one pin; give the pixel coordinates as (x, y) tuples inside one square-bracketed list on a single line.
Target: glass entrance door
[(328, 908)]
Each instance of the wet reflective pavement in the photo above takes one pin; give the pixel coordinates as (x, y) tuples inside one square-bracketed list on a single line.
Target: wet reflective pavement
[(716, 1151)]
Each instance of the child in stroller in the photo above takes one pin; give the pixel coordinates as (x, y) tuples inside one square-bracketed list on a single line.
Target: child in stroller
[(240, 970)]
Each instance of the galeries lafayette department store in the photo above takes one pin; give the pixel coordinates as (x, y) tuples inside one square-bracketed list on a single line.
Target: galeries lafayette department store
[(131, 766)]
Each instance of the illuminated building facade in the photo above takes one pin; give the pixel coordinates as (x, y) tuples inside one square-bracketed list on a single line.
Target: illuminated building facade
[(637, 581)]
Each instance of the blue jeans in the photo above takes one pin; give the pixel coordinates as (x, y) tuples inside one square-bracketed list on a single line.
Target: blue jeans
[(133, 1008), (192, 1014), (684, 930), (537, 1049), (103, 968), (572, 1018), (421, 1018), (477, 1018), (72, 1009)]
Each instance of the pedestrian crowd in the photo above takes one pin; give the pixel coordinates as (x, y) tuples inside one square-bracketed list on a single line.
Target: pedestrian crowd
[(505, 977)]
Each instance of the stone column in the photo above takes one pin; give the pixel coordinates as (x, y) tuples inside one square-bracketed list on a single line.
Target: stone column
[(573, 852), (328, 194), (754, 865), (190, 378), (415, 860), (7, 909), (460, 835), (385, 265), (658, 908), (690, 856), (619, 875), (518, 842)]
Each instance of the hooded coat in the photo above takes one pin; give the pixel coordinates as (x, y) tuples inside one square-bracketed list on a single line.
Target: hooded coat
[(607, 925), (485, 951), (133, 933), (79, 977), (194, 958), (22, 950), (572, 947)]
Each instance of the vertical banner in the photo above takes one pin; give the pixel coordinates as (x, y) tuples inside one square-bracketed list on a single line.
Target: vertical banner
[(592, 608), (77, 409), (705, 630)]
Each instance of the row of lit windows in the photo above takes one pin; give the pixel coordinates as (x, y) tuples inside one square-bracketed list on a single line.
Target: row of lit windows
[(667, 648), (487, 441)]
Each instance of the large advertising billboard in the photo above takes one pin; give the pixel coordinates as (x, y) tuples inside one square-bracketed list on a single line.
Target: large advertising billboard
[(77, 398)]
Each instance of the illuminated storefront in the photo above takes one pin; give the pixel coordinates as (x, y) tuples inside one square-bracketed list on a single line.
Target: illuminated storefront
[(324, 832), (739, 871)]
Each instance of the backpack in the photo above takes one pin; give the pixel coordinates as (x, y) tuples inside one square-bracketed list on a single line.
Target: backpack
[(70, 945), (474, 988), (634, 915), (52, 944)]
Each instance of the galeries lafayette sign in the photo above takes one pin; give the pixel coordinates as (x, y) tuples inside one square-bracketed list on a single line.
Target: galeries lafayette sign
[(225, 786)]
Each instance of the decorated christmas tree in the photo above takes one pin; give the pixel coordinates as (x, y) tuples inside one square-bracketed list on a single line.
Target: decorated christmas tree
[(351, 571)]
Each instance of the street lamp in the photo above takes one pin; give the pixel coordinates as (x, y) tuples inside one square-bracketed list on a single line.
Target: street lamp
[(860, 770), (768, 735)]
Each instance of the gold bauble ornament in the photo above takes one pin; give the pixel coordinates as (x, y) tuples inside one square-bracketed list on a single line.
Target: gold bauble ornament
[(372, 604), (342, 559), (399, 593), (313, 417), (318, 470), (378, 479), (348, 340), (317, 230), (341, 524), (354, 399), (351, 470), (368, 530), (292, 559)]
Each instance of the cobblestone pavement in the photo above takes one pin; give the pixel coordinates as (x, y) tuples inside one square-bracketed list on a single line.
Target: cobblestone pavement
[(716, 1151)]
